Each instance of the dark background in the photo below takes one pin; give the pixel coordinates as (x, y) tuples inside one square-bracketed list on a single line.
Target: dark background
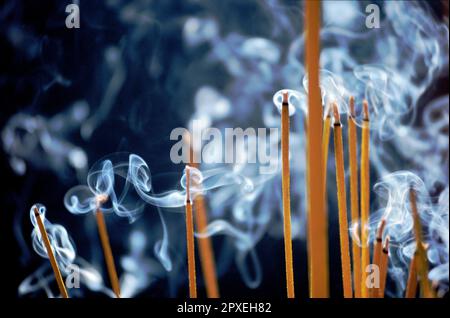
[(75, 54)]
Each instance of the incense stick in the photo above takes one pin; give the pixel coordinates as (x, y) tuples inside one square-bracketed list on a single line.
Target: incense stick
[(384, 260), (51, 256), (109, 259), (317, 221), (352, 154), (325, 146), (421, 259), (342, 205), (190, 239), (377, 251), (411, 285), (365, 198), (286, 196), (205, 247)]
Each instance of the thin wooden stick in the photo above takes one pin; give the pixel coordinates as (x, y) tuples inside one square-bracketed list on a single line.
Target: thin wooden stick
[(421, 259), (317, 220), (325, 147), (342, 205), (51, 256), (190, 239), (205, 247), (377, 251), (353, 158), (384, 261), (109, 259), (286, 196), (411, 285), (365, 199)]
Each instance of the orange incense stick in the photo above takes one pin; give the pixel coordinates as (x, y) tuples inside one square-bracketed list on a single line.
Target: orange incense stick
[(325, 146), (384, 260), (411, 285), (205, 247), (365, 199), (377, 251), (317, 220), (190, 239), (286, 196), (51, 256), (421, 259), (342, 205), (109, 259), (353, 158)]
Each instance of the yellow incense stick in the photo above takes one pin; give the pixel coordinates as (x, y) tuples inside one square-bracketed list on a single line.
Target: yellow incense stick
[(206, 250), (51, 256), (377, 251), (190, 239), (421, 259), (286, 196), (384, 260), (325, 146), (352, 155), (365, 199), (109, 259), (342, 205), (205, 247), (317, 220), (411, 285)]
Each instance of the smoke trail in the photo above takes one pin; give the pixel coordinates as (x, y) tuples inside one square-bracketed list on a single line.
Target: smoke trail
[(394, 198), (65, 255)]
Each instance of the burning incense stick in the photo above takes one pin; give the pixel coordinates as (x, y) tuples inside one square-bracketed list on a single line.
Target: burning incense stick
[(342, 205), (352, 154), (104, 238), (325, 146), (317, 220), (384, 260), (51, 256), (205, 249), (204, 243), (421, 259), (411, 285), (286, 196), (190, 239), (365, 198), (377, 251)]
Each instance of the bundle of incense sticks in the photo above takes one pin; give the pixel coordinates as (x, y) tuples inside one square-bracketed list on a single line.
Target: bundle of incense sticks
[(317, 130)]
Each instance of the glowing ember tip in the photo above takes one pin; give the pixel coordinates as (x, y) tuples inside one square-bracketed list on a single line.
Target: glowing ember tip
[(365, 110), (337, 117), (386, 245), (327, 111), (285, 97), (101, 198), (188, 181), (380, 229), (352, 106)]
